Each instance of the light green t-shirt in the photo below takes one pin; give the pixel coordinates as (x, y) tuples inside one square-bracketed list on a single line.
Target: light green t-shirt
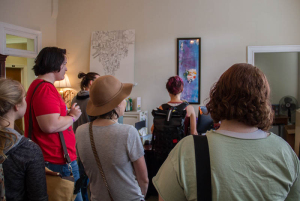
[(241, 169)]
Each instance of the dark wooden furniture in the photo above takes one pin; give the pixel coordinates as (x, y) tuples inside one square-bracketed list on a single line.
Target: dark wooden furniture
[(280, 120), (2, 65), (289, 135)]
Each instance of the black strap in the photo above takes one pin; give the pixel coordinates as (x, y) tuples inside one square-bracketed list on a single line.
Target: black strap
[(83, 177), (179, 107), (30, 116), (204, 192), (30, 126), (63, 144)]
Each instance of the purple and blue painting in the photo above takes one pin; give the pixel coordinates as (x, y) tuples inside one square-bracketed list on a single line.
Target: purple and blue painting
[(189, 68)]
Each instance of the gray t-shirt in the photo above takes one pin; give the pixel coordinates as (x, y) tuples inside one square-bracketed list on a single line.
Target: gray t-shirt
[(118, 145)]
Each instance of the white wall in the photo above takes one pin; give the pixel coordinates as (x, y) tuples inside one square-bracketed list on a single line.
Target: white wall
[(225, 27), (32, 14), (281, 70)]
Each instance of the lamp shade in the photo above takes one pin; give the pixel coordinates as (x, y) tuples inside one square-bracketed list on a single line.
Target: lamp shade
[(65, 83)]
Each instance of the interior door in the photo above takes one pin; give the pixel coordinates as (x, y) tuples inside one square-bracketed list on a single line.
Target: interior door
[(16, 74)]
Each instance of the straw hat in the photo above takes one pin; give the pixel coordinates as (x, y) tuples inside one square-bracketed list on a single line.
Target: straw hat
[(106, 93)]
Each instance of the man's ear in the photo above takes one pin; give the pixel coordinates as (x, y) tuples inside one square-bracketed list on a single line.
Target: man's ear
[(91, 82)]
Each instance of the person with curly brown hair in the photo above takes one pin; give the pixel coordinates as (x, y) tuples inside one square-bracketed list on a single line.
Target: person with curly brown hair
[(247, 162)]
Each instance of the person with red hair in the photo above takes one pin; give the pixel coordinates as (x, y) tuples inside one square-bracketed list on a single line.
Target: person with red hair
[(175, 87)]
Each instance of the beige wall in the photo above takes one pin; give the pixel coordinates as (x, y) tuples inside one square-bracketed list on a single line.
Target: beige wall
[(281, 70), (32, 14), (225, 27)]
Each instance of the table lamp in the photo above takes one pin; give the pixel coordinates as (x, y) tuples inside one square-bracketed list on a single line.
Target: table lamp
[(65, 83)]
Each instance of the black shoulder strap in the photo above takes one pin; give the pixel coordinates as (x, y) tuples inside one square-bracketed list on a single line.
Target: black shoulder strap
[(30, 126), (30, 115), (179, 107), (204, 192), (182, 106), (166, 106)]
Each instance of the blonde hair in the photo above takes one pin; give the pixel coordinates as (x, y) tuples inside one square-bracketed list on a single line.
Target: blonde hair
[(11, 94)]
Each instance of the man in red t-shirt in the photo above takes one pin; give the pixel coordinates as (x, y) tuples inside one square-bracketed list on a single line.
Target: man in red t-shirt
[(50, 115)]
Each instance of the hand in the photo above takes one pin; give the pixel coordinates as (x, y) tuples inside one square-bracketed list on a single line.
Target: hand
[(75, 111)]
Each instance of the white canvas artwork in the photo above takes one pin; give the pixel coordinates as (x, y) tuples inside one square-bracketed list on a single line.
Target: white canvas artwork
[(112, 53)]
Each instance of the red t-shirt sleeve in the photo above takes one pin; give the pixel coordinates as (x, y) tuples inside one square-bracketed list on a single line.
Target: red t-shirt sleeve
[(46, 100)]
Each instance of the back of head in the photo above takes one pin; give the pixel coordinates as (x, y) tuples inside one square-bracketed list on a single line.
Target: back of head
[(106, 93), (242, 93), (175, 85), (49, 60), (86, 78), (11, 94)]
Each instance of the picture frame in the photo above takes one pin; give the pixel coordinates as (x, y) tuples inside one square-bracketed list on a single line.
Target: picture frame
[(189, 68)]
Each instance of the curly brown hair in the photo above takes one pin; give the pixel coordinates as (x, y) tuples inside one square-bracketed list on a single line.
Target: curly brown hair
[(242, 93)]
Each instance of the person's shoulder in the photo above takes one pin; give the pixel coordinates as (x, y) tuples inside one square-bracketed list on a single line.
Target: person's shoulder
[(28, 150), (31, 144), (190, 108), (186, 140), (48, 85), (127, 128), (283, 146), (279, 140), (45, 87), (39, 81), (184, 146), (82, 128), (285, 151)]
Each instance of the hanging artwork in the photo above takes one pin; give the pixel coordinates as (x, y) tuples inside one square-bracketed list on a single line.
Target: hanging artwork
[(188, 68), (112, 53)]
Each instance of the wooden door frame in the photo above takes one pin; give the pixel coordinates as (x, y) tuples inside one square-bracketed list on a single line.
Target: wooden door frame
[(23, 72), (2, 65)]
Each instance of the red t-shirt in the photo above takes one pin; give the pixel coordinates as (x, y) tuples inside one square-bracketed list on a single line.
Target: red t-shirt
[(46, 100)]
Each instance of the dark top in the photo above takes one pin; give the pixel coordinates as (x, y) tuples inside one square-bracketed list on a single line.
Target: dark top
[(81, 99), (24, 173)]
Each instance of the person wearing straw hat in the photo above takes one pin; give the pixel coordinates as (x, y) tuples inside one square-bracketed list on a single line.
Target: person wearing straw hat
[(112, 154)]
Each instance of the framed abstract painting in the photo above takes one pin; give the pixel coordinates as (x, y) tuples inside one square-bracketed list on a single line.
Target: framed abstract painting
[(189, 68)]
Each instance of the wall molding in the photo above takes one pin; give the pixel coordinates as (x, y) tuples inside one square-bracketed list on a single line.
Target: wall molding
[(251, 50)]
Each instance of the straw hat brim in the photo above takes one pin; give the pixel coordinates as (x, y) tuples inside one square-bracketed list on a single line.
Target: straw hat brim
[(93, 110)]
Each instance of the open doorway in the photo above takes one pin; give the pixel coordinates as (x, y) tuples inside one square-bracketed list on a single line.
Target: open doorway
[(25, 67), (16, 74), (21, 45), (19, 69)]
